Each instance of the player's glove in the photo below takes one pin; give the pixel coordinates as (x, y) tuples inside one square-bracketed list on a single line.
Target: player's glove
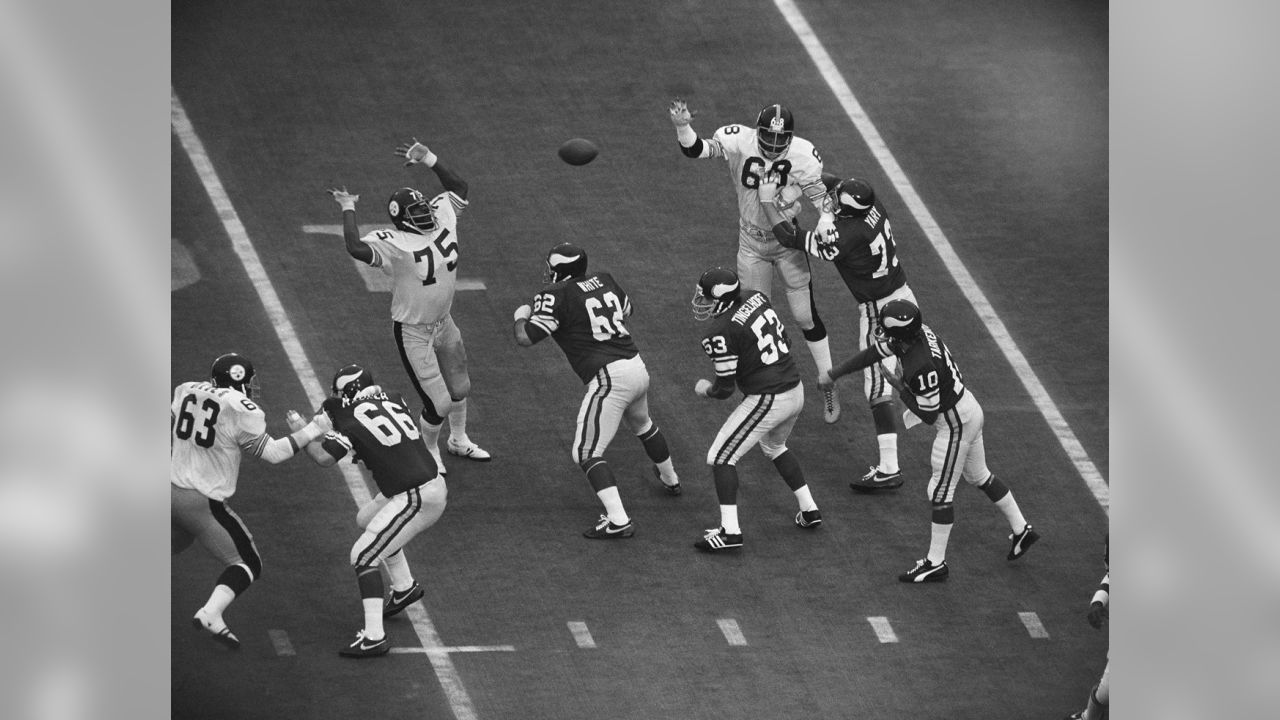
[(344, 198), (1097, 614), (524, 312), (826, 230), (681, 115), (702, 387), (415, 152), (768, 188)]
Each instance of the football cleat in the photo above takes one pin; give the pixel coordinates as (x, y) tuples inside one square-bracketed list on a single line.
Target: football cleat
[(217, 629), (399, 601), (830, 405), (876, 479), (808, 519), (363, 647), (925, 571), (467, 449), (1020, 542), (670, 489), (604, 529), (716, 539)]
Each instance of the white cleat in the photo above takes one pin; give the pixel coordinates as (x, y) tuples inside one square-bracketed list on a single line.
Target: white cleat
[(469, 450)]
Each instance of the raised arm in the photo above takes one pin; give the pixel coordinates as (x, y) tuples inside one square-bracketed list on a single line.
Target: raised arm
[(415, 153), (350, 231)]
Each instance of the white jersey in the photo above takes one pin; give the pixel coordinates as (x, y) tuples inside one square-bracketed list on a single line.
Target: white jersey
[(423, 267), (800, 167), (210, 426)]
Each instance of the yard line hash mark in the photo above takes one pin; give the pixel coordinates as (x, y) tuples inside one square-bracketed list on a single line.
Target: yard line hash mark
[(884, 631), (280, 641), (995, 326), (581, 634), (374, 279), (445, 671), (1034, 627), (731, 631), (453, 649)]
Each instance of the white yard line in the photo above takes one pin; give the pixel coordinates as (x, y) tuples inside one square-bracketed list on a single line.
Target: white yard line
[(459, 700), (1034, 627), (853, 109), (884, 631), (732, 633), (581, 634)]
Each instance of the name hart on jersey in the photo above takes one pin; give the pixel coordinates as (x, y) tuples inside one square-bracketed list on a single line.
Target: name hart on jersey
[(747, 308), (590, 284)]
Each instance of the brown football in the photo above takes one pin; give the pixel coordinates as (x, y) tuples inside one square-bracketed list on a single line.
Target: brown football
[(578, 151)]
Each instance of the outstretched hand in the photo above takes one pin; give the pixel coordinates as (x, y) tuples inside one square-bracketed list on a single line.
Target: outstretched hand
[(344, 198), (681, 115), (413, 152)]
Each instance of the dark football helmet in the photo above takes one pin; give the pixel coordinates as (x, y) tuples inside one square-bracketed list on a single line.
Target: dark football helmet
[(774, 127), (854, 197), (410, 211), (565, 261), (717, 290), (900, 322), (349, 381), (234, 371)]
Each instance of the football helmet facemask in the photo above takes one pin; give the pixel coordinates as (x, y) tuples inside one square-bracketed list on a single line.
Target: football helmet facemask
[(235, 371), (410, 211), (565, 261), (900, 323), (854, 197), (774, 128), (717, 290), (349, 381)]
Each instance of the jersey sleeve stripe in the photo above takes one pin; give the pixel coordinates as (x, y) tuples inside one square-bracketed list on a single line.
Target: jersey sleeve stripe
[(256, 445), (546, 323)]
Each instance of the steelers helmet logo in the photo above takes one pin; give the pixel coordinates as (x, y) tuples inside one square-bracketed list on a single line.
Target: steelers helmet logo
[(236, 372), (393, 208)]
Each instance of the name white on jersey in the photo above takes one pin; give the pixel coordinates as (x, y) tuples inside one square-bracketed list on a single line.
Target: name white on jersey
[(423, 268)]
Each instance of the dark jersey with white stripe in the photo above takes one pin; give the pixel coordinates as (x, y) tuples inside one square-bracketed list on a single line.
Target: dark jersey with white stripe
[(381, 433), (587, 317), (864, 254), (749, 343), (928, 372)]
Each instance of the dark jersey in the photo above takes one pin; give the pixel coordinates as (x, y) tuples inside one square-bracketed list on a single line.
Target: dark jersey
[(749, 343), (587, 317), (928, 372), (864, 254), (381, 433)]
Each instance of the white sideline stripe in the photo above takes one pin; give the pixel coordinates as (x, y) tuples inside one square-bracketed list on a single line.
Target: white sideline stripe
[(182, 127), (862, 122), (280, 641), (581, 634), (1034, 626), (884, 631), (731, 631), (454, 649), (374, 280)]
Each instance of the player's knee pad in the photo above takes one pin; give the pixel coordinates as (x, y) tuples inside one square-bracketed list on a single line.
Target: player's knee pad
[(586, 463), (943, 513)]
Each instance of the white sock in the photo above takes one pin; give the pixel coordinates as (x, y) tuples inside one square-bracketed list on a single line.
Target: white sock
[(218, 602), (373, 618), (1009, 507), (398, 570), (821, 352), (613, 505), (888, 452), (729, 519), (668, 472), (805, 498), (941, 533), (431, 437), (458, 421)]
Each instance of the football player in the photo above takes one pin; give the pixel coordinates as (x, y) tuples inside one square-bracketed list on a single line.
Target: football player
[(1098, 702), (586, 314), (751, 350), (863, 252), (751, 153), (378, 430), (931, 387), (421, 255), (211, 423)]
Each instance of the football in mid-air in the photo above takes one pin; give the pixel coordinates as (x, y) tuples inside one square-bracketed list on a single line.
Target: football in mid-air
[(578, 151)]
